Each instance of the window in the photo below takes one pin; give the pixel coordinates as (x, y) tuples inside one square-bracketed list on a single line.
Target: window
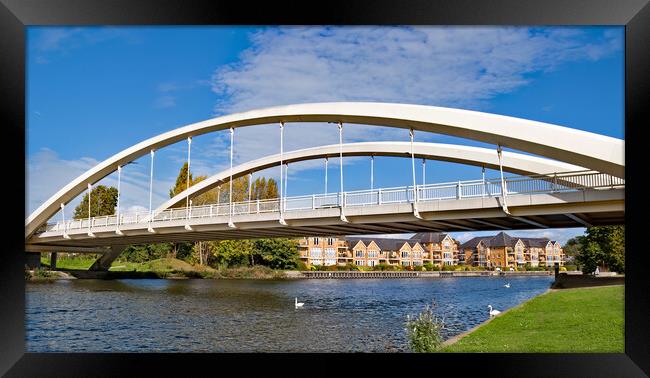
[(372, 262), (446, 243), (373, 254), (330, 262), (316, 262), (330, 252), (447, 256), (315, 240), (406, 263), (330, 241), (316, 252), (358, 253), (359, 262), (405, 255), (417, 263)]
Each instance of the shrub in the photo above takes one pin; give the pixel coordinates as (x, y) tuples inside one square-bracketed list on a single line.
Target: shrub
[(301, 265), (428, 266), (423, 332), (562, 269), (408, 267), (418, 268), (42, 273)]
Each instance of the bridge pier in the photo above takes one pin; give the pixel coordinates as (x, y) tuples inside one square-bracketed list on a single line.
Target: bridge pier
[(104, 261), (53, 261), (33, 260)]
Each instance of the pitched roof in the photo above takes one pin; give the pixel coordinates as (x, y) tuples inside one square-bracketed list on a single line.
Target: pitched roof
[(504, 240), (429, 237), (385, 244), (473, 242), (535, 242)]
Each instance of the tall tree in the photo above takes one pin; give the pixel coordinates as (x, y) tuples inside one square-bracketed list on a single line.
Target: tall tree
[(103, 201), (181, 181), (278, 253), (572, 248), (603, 246)]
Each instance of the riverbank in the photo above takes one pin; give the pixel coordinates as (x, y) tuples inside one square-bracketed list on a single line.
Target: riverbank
[(586, 320), (41, 275), (176, 269), (168, 268)]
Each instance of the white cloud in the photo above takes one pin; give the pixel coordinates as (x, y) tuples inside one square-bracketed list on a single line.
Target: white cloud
[(47, 173), (165, 101), (448, 66), (444, 66), (63, 39)]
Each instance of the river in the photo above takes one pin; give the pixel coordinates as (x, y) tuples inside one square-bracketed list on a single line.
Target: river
[(339, 315)]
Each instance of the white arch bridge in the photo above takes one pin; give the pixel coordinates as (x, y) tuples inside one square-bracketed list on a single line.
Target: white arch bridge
[(583, 186)]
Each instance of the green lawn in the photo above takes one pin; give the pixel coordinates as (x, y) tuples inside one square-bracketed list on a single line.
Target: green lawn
[(78, 262), (570, 320)]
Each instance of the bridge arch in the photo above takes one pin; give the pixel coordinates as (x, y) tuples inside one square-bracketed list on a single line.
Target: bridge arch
[(594, 151), (483, 157)]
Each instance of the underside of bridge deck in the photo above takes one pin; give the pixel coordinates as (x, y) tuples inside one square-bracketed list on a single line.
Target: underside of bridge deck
[(384, 219)]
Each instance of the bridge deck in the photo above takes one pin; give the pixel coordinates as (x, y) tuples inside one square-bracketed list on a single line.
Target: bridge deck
[(553, 210)]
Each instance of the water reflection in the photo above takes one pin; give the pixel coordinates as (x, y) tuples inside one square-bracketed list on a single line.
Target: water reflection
[(255, 316)]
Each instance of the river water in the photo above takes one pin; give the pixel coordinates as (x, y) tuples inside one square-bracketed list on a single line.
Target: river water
[(341, 315)]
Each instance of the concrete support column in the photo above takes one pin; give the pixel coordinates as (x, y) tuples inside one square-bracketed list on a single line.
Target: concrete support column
[(33, 260), (105, 261), (53, 261)]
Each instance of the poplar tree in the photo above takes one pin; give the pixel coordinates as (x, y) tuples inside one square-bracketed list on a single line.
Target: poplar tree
[(103, 201)]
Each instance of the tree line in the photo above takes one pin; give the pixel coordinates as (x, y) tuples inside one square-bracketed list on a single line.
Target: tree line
[(601, 246), (276, 253)]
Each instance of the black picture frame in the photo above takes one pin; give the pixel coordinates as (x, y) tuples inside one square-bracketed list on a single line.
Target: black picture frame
[(15, 15)]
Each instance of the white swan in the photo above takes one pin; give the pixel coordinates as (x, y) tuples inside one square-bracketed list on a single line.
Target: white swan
[(507, 285), (493, 312), (298, 304)]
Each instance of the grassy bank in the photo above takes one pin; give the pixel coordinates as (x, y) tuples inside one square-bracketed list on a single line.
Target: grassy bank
[(572, 320), (82, 262), (167, 268)]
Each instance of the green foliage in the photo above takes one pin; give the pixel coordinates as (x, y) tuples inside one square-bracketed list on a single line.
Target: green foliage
[(103, 201), (278, 253), (146, 252), (428, 266), (300, 265), (231, 253), (347, 267), (181, 181), (424, 332), (263, 189), (603, 245), (43, 273), (573, 245)]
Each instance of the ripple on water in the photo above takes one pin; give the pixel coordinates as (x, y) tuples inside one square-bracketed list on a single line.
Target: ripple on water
[(256, 316)]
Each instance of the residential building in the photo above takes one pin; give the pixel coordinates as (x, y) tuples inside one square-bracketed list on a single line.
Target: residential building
[(505, 251), (438, 249)]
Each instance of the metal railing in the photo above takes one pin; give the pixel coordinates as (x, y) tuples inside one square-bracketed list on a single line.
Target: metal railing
[(550, 183)]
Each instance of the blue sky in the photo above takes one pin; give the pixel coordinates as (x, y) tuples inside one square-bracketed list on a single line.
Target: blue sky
[(94, 91)]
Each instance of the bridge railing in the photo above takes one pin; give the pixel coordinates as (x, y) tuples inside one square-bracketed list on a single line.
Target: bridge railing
[(550, 183)]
